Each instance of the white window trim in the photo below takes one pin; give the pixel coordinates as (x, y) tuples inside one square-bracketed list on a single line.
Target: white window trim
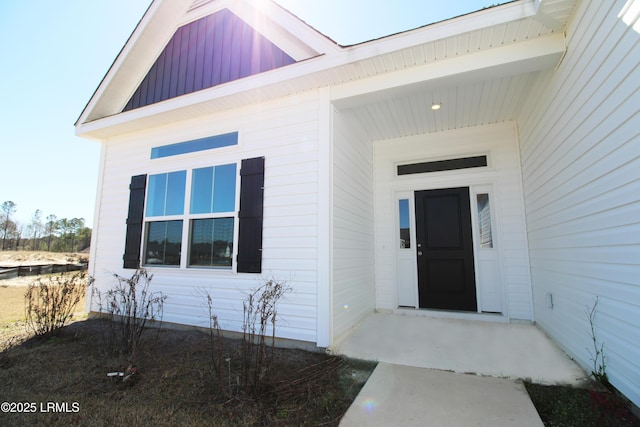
[(186, 217)]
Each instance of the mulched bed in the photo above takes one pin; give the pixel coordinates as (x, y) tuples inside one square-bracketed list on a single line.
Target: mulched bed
[(174, 383), (597, 406)]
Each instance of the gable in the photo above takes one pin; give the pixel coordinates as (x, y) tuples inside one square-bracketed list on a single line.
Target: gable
[(210, 51), (507, 40)]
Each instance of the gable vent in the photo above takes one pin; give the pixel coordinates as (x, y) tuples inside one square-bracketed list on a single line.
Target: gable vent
[(210, 51), (197, 3)]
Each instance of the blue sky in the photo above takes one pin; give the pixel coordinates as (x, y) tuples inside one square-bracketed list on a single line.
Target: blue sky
[(56, 52)]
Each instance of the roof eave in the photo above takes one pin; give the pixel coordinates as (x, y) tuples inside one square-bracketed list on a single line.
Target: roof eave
[(94, 124), (155, 29), (149, 36), (495, 15)]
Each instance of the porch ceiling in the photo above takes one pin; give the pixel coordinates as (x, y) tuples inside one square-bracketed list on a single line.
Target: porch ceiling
[(471, 91), (465, 104), (474, 92)]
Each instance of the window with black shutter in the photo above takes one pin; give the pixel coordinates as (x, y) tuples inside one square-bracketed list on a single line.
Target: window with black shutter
[(250, 216), (158, 203), (134, 221)]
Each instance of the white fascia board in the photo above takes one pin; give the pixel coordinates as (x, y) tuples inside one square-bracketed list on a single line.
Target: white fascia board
[(151, 36), (284, 29), (189, 104), (449, 28), (528, 56), (513, 59), (135, 59), (545, 19), (320, 64)]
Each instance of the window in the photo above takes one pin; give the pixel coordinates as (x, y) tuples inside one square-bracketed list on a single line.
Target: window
[(209, 219), (443, 165), (405, 230), (484, 221), (164, 241), (166, 194), (213, 192), (214, 189), (208, 143), (211, 242)]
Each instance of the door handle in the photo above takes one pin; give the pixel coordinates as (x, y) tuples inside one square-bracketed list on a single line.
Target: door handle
[(419, 253)]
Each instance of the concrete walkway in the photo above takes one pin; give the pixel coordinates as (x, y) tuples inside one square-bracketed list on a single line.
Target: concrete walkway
[(450, 372), (406, 396), (468, 346)]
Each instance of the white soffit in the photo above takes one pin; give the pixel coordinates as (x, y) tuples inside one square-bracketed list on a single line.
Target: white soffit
[(517, 42), (478, 89), (508, 60)]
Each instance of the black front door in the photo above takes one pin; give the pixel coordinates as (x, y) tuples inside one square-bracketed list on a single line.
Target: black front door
[(446, 278)]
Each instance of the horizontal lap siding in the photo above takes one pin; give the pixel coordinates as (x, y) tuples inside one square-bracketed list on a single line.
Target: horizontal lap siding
[(285, 133), (581, 168), (353, 269)]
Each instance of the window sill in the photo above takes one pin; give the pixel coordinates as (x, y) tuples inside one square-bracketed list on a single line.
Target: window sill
[(171, 269)]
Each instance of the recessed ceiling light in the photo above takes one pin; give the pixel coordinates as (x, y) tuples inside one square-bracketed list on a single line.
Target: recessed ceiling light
[(436, 106)]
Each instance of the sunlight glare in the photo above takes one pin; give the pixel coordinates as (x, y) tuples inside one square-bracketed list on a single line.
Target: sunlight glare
[(369, 405), (629, 14)]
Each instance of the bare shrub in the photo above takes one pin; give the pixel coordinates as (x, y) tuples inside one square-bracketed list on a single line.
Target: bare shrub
[(260, 313), (248, 374), (50, 302), (130, 305), (220, 357), (599, 371)]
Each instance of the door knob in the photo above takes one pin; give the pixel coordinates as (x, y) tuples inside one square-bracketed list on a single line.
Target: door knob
[(419, 253)]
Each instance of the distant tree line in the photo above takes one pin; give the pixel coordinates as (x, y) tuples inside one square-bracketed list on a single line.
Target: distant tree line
[(50, 234)]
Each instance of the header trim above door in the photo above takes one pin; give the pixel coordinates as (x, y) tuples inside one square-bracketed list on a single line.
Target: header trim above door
[(443, 165)]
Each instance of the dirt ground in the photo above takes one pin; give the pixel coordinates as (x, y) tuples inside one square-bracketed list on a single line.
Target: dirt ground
[(175, 382), (12, 302), (12, 290), (21, 258)]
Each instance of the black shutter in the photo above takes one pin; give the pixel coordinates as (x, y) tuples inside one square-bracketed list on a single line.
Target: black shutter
[(250, 216), (134, 222)]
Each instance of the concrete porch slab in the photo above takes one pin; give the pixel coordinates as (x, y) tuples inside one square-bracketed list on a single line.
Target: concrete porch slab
[(503, 350), (398, 395)]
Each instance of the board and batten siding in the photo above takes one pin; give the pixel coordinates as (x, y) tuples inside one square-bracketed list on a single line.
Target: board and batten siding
[(353, 243), (285, 132), (196, 58), (499, 143), (580, 148)]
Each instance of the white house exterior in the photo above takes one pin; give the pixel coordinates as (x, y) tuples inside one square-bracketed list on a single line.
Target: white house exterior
[(580, 169), (255, 148)]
